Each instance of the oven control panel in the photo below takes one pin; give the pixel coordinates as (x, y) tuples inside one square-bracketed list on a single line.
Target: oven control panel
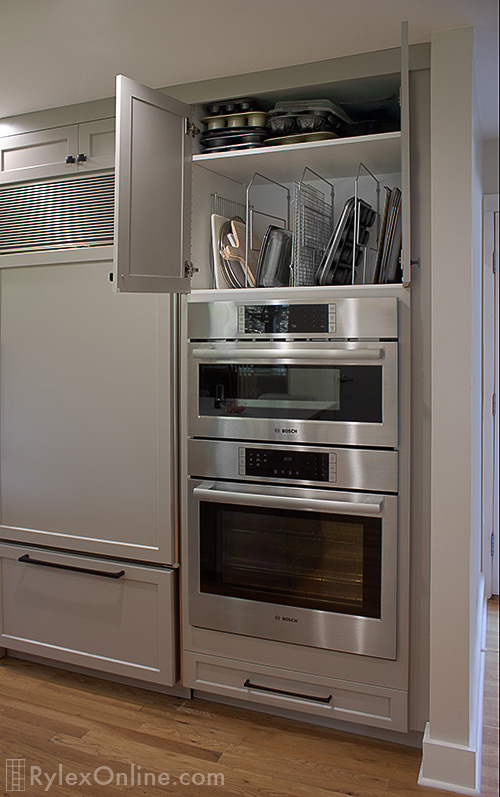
[(287, 319), (288, 464)]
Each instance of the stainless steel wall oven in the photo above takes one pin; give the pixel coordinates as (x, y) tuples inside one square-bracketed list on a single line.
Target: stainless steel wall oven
[(315, 373), (293, 463)]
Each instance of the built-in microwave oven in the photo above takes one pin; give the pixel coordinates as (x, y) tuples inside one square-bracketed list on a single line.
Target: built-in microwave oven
[(303, 372)]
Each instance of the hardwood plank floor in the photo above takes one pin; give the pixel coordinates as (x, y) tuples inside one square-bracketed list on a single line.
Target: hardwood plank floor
[(490, 780), (68, 724)]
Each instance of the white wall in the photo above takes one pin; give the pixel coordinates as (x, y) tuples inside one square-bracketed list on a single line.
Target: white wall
[(451, 746)]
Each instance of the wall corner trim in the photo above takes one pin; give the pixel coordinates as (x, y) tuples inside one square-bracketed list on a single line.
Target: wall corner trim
[(451, 767)]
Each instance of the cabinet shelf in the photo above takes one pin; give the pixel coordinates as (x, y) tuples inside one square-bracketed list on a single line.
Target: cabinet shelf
[(337, 158)]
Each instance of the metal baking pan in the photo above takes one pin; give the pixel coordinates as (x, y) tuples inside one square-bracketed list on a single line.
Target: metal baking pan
[(301, 106), (239, 137), (275, 258), (337, 262)]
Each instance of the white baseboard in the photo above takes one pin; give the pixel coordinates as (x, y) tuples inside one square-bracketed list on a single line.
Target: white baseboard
[(453, 767)]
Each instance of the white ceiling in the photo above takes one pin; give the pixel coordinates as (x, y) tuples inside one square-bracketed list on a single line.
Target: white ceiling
[(60, 52)]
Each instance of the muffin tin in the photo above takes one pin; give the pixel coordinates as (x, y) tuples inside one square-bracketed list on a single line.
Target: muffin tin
[(250, 119), (234, 124), (289, 124), (305, 116), (225, 107)]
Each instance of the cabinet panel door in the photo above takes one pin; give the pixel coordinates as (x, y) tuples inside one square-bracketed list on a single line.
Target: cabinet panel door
[(30, 156), (338, 699), (95, 613), (87, 438), (153, 190), (96, 140)]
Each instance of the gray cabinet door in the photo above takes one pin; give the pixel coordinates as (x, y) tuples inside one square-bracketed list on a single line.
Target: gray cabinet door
[(106, 615), (153, 191), (96, 142), (43, 153), (89, 146)]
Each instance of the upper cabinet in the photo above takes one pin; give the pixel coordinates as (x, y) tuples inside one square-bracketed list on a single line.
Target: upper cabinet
[(57, 151), (96, 148), (215, 194)]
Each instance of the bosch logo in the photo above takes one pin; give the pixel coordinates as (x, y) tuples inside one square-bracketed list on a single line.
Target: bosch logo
[(285, 619), (284, 431)]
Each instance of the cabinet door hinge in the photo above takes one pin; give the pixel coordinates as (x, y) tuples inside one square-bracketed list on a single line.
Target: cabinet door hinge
[(494, 262), (492, 543), (189, 269), (190, 128), (494, 404)]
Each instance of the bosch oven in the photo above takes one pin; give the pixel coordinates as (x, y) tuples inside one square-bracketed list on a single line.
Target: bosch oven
[(312, 564), (304, 372)]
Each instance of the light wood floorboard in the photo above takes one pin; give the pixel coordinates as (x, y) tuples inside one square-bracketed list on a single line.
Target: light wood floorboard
[(53, 718), (490, 779)]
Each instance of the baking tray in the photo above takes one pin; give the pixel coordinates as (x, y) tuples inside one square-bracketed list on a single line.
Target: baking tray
[(337, 262)]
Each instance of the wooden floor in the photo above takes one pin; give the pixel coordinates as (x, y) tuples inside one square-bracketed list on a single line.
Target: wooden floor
[(74, 726), (490, 782)]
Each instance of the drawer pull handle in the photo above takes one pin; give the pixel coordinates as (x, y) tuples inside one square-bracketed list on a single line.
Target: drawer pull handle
[(250, 685), (27, 560)]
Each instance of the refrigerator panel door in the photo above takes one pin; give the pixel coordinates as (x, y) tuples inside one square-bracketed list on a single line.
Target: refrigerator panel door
[(88, 419)]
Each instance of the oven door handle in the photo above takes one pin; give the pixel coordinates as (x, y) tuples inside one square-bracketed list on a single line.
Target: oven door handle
[(287, 354), (290, 502)]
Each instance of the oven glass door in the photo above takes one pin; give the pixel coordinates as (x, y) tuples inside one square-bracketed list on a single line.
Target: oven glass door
[(314, 560), (292, 392), (313, 567), (343, 393)]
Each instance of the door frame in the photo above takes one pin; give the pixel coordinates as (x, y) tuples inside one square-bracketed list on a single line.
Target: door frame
[(490, 436)]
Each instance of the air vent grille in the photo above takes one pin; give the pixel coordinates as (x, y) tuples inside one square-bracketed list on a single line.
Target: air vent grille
[(57, 214)]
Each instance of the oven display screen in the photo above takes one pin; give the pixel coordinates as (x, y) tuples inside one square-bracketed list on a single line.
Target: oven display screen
[(291, 464), (286, 318)]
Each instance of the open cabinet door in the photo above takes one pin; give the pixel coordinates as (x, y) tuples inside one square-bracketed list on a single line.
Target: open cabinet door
[(406, 261), (153, 191)]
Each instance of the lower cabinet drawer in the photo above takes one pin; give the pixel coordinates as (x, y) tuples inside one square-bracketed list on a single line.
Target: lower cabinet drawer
[(106, 615), (341, 700)]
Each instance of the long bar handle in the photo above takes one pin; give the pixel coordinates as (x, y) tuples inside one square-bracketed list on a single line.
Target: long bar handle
[(249, 685), (286, 354), (26, 559), (290, 502)]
